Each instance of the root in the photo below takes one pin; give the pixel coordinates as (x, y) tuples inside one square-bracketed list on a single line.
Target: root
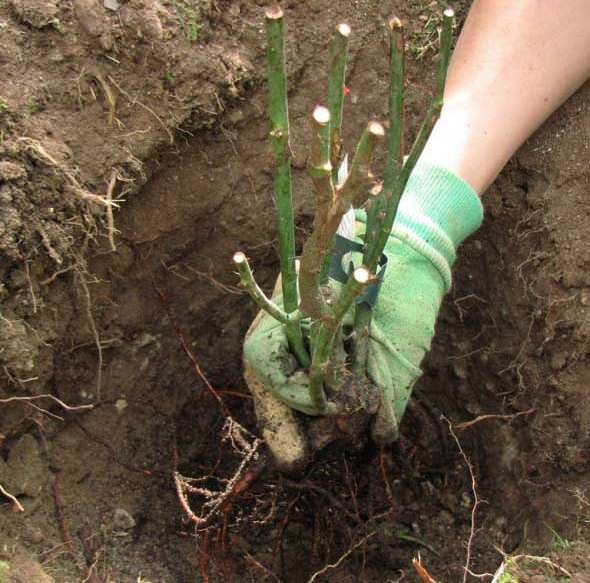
[(17, 505), (39, 151), (63, 405), (215, 499), (31, 288), (110, 219), (134, 101), (84, 285), (215, 493), (476, 500), (106, 89), (489, 416), (342, 558), (424, 575), (48, 246)]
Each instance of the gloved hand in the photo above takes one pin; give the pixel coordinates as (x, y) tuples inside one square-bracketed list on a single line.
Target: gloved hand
[(437, 212)]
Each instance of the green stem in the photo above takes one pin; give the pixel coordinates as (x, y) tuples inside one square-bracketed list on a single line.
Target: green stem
[(363, 313), (398, 185), (446, 39), (315, 248), (338, 53), (396, 175), (277, 80), (396, 105), (248, 282), (328, 329), (386, 202)]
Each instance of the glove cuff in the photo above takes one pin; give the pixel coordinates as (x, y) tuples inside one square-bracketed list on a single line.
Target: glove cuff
[(437, 212)]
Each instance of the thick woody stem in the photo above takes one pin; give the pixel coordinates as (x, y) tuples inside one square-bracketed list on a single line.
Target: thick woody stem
[(314, 251), (338, 53), (320, 167), (277, 80), (329, 326), (248, 282), (331, 206), (355, 189)]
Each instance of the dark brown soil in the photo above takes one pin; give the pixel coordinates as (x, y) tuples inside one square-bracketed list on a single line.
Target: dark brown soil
[(168, 97)]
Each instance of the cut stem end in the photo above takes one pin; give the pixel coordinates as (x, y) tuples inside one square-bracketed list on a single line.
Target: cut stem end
[(274, 13), (321, 115)]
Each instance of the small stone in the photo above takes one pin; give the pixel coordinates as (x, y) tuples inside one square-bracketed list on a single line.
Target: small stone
[(460, 369), (236, 116), (56, 57), (11, 171), (112, 5), (558, 360), (121, 405), (122, 520), (34, 534), (24, 473)]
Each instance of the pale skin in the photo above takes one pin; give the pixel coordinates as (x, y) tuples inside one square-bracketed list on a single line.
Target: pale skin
[(515, 62)]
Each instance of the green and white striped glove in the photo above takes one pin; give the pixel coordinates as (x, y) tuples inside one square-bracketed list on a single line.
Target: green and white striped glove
[(437, 212)]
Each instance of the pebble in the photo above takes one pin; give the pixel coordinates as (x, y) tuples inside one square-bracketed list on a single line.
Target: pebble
[(10, 171), (25, 472), (122, 520), (34, 534), (558, 360), (460, 370), (111, 5)]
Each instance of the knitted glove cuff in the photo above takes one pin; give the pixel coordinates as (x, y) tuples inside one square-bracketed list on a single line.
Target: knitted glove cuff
[(437, 212)]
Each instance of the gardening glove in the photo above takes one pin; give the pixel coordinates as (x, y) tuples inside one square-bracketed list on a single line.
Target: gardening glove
[(437, 212)]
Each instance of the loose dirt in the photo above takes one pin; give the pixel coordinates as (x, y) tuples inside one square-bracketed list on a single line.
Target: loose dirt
[(134, 162)]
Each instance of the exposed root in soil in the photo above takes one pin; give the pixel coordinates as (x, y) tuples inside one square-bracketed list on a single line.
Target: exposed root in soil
[(476, 501), (35, 147), (17, 505), (216, 492), (342, 558)]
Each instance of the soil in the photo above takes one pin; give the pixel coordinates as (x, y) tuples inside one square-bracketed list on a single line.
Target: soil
[(159, 108)]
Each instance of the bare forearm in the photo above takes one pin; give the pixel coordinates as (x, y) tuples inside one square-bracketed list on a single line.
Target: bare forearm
[(515, 63)]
